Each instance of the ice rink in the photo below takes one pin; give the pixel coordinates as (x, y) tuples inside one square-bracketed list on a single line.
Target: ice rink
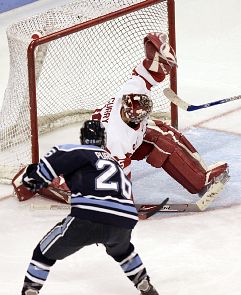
[(185, 253)]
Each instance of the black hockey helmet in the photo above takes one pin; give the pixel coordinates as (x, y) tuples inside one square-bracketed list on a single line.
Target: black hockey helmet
[(136, 107), (93, 133)]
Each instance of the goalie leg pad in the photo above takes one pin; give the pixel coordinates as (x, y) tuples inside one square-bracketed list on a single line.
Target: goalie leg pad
[(166, 147), (185, 170), (143, 150), (176, 155), (163, 141), (173, 134)]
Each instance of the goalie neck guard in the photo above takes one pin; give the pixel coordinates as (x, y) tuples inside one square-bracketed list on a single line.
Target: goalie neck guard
[(93, 133), (136, 107)]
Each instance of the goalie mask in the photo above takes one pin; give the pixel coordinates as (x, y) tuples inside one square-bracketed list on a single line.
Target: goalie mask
[(93, 133), (136, 107)]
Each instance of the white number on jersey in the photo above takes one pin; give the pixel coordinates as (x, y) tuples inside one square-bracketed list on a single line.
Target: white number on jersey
[(110, 169)]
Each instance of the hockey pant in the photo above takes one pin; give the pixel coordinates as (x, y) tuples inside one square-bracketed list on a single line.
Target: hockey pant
[(166, 147), (72, 234)]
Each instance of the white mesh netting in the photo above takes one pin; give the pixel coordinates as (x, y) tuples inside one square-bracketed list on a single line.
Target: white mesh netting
[(74, 74)]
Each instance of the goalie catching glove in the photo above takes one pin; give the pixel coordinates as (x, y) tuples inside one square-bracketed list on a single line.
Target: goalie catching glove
[(31, 180), (159, 60), (160, 56)]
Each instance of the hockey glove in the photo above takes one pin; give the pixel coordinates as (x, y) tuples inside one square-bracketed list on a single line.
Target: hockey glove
[(160, 57), (31, 180)]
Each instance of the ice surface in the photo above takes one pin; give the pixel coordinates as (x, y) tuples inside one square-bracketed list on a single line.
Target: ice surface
[(194, 253)]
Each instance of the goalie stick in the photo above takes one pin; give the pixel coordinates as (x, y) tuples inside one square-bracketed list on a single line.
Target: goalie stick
[(171, 95)]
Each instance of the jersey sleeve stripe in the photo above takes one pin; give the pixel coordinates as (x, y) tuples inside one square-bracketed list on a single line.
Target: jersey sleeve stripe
[(108, 211), (47, 167), (105, 204), (109, 198)]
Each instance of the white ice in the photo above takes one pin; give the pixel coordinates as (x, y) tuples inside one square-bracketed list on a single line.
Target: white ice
[(194, 253)]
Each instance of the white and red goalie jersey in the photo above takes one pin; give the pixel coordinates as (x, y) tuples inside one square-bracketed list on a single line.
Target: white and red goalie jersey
[(122, 140)]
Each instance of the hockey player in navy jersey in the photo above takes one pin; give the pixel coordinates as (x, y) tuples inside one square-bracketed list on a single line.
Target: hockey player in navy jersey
[(102, 210)]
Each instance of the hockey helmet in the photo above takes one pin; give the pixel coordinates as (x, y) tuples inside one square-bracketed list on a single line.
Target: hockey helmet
[(136, 107), (93, 133)]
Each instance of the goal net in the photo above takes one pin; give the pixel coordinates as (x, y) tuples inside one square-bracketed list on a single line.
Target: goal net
[(86, 50)]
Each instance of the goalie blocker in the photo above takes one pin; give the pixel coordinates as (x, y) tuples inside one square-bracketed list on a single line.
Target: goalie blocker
[(54, 191)]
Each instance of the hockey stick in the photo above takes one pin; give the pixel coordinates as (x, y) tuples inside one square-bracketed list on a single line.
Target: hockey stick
[(171, 95), (2, 198), (152, 210), (173, 208), (148, 210), (145, 211), (144, 208)]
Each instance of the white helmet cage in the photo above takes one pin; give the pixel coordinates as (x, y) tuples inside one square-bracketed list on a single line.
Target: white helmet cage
[(136, 107)]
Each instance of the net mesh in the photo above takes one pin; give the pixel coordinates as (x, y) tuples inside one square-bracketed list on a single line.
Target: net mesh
[(75, 74)]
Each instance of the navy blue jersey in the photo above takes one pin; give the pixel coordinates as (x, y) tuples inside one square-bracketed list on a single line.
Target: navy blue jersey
[(100, 191)]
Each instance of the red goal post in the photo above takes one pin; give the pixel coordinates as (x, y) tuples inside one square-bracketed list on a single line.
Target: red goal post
[(86, 50)]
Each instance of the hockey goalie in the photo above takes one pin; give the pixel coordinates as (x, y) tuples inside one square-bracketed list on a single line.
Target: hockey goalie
[(131, 135)]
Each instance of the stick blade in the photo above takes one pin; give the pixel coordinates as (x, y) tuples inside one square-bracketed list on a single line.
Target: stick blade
[(152, 210)]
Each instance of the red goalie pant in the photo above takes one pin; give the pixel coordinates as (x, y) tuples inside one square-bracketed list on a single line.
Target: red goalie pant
[(166, 147)]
